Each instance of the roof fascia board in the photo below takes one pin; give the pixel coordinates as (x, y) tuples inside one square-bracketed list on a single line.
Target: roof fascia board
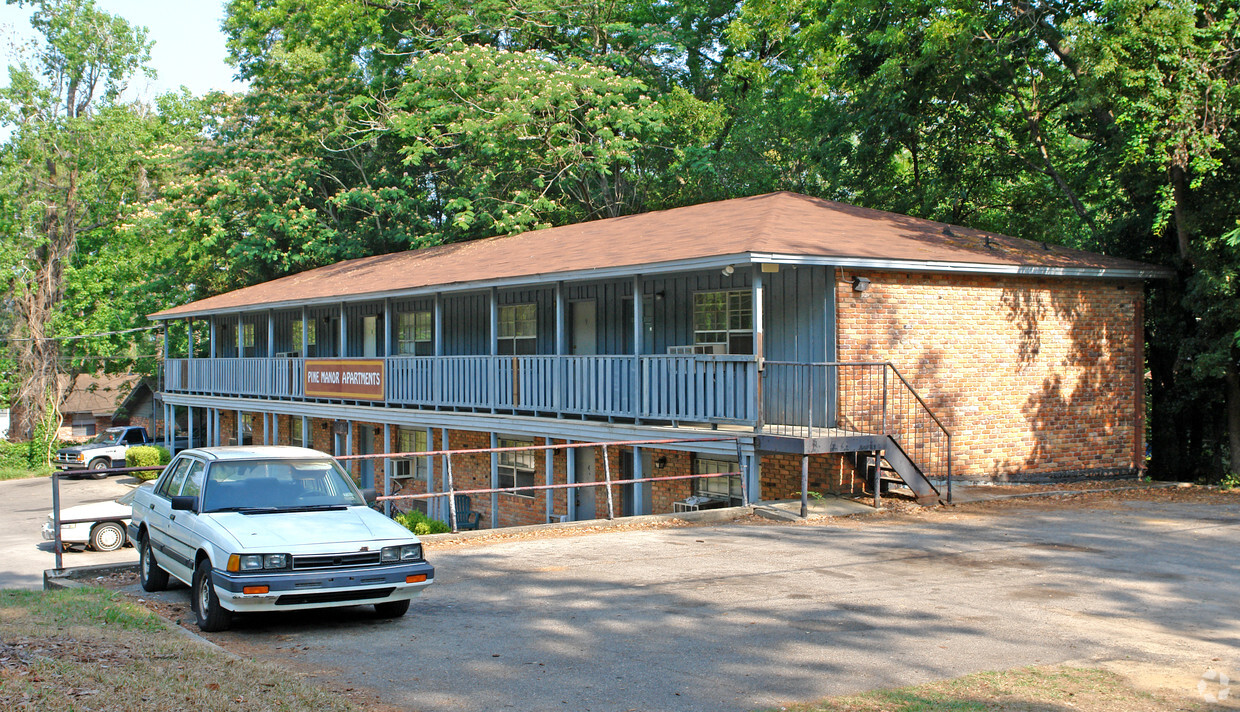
[(590, 275), (523, 426), (897, 265)]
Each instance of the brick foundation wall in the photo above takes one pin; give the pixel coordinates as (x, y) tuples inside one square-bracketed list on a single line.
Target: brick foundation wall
[(831, 473), (1032, 376)]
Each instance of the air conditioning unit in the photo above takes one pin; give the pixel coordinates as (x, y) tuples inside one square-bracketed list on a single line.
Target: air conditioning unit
[(710, 349), (680, 350), (288, 354)]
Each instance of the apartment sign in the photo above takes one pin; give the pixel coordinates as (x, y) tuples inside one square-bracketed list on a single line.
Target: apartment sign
[(352, 379)]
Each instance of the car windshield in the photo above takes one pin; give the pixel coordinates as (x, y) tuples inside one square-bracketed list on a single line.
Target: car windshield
[(127, 498), (276, 485), (107, 437)]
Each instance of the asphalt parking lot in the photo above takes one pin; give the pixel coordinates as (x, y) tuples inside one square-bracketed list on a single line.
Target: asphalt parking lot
[(738, 617), (25, 505)]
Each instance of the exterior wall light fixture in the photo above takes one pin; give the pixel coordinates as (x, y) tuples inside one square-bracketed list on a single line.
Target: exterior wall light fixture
[(728, 271), (860, 284)]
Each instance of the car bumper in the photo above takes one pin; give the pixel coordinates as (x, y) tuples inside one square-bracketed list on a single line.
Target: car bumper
[(69, 533), (297, 590)]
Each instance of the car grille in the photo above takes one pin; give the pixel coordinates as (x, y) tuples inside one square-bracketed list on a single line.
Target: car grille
[(319, 562), (296, 599)]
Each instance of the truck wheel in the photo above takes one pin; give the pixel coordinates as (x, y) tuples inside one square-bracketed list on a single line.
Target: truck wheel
[(210, 615), (97, 465), (150, 575), (107, 536)]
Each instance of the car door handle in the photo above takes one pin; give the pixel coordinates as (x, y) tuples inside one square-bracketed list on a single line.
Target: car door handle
[(173, 517), (152, 506)]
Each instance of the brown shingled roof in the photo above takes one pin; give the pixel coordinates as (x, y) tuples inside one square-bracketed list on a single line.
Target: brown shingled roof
[(99, 394), (775, 223)]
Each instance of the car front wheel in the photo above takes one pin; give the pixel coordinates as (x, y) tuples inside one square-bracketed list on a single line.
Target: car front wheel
[(150, 575), (211, 616), (96, 467), (107, 536)]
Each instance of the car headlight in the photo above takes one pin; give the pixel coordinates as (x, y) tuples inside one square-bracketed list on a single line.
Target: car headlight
[(257, 562), (408, 552)]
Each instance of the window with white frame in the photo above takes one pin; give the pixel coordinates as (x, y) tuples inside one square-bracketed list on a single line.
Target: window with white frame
[(518, 329), (516, 468), (724, 320), (247, 334), (417, 468), (414, 333), (727, 489)]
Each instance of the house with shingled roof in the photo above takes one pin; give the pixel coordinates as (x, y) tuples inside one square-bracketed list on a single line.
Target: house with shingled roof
[(790, 340)]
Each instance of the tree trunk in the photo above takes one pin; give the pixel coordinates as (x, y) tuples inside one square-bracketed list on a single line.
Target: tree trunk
[(1179, 195), (1233, 417)]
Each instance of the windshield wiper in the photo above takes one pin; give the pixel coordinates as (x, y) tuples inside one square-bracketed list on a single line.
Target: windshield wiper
[(287, 508), (247, 510)]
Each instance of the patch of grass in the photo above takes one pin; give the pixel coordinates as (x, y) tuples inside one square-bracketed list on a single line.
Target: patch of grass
[(21, 473), (87, 606), (91, 649), (1036, 689)]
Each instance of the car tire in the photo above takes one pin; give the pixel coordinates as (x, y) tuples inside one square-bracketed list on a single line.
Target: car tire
[(210, 615), (107, 536), (391, 609), (150, 575), (97, 465)]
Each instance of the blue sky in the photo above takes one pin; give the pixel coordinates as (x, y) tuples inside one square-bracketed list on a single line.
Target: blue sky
[(189, 47)]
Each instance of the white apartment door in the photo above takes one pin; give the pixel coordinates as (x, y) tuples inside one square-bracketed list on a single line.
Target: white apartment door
[(585, 329), (370, 336)]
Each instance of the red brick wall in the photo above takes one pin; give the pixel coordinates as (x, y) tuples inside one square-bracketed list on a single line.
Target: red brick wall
[(828, 474), (1032, 376)]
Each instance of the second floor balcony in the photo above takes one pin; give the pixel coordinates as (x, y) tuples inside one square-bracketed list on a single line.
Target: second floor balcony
[(695, 388)]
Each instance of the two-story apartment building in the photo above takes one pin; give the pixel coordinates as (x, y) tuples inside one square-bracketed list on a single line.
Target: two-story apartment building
[(809, 333)]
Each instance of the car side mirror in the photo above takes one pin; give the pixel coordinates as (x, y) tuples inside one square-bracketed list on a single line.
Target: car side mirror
[(185, 504), (369, 494)]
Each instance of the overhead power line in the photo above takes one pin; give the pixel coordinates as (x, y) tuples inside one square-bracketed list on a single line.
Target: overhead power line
[(85, 336)]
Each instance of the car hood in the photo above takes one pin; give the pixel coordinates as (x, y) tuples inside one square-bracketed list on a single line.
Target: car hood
[(293, 530), (98, 510), (82, 448)]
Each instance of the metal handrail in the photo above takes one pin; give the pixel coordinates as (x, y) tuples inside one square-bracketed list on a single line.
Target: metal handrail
[(865, 403), (916, 395)]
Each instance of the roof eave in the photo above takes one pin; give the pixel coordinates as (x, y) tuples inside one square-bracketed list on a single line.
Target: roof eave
[(700, 263)]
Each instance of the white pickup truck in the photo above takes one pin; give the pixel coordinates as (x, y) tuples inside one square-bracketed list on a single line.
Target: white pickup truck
[(105, 451), (271, 529)]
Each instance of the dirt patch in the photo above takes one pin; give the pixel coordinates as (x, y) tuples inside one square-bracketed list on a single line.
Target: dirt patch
[(89, 649), (499, 535)]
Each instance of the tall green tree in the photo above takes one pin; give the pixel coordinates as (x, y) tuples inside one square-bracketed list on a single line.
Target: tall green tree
[(69, 171)]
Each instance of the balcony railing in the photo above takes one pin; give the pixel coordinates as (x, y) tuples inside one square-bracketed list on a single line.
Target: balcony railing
[(710, 388), (857, 398)]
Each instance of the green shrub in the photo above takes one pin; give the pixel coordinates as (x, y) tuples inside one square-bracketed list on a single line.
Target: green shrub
[(147, 456), (28, 455), (420, 524)]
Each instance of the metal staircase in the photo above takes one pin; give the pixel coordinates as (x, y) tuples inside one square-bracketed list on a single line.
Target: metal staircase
[(866, 408)]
